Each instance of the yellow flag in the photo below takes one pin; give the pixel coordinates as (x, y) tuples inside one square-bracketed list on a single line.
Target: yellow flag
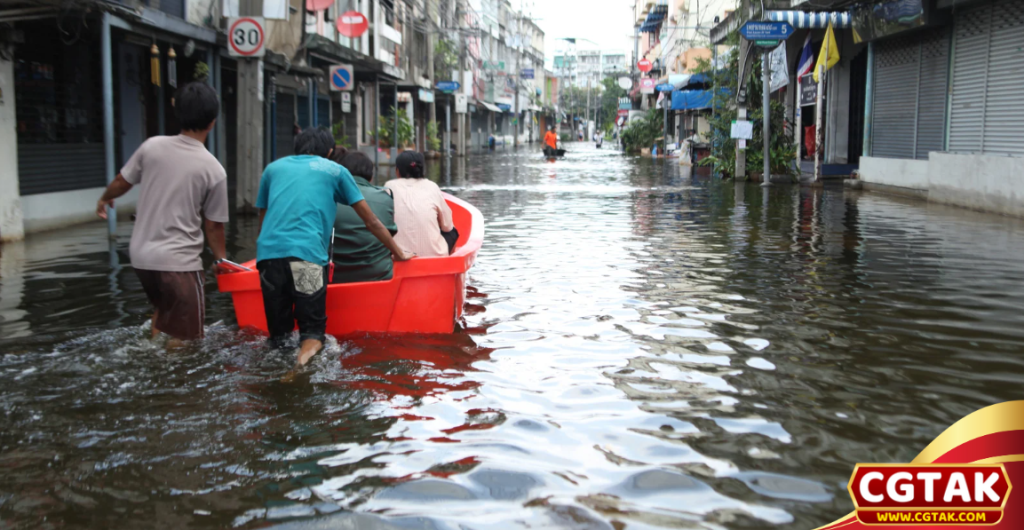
[(829, 54)]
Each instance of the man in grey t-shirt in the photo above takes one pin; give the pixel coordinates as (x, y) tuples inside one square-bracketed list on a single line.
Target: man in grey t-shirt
[(181, 183)]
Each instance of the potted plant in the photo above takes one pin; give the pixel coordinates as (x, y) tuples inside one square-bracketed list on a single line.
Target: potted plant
[(433, 141)]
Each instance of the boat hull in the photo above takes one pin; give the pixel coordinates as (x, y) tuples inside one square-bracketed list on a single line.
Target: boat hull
[(425, 295)]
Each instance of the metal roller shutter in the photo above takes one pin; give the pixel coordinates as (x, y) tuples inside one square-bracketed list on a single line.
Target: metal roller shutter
[(59, 111), (986, 111), (932, 102), (285, 129), (894, 104), (908, 115), (323, 112)]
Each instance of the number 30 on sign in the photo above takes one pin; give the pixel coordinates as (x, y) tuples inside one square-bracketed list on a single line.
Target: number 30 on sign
[(246, 37)]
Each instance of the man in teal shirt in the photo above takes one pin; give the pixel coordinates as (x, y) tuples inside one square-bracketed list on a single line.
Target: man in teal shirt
[(358, 255), (297, 202)]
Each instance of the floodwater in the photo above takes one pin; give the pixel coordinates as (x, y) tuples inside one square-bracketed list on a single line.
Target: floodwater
[(641, 349)]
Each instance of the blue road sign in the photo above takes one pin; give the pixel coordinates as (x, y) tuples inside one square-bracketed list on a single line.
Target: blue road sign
[(766, 30), (341, 77), (505, 107), (526, 73), (448, 86), (665, 87)]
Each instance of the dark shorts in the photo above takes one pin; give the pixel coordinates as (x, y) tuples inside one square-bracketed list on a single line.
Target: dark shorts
[(294, 291), (179, 300)]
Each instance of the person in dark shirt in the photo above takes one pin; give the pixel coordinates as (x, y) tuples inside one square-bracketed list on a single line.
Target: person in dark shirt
[(358, 255)]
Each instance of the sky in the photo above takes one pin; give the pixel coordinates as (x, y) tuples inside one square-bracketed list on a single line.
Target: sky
[(606, 24)]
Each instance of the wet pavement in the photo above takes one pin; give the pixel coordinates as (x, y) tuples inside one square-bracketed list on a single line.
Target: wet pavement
[(641, 349)]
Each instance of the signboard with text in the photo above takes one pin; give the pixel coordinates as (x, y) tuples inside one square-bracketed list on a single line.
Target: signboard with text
[(647, 85), (766, 30), (808, 91)]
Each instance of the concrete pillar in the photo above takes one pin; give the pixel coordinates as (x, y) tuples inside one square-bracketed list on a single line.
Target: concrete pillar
[(11, 226), (250, 133)]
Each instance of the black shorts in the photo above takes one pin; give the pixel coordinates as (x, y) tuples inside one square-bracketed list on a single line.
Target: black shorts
[(294, 291)]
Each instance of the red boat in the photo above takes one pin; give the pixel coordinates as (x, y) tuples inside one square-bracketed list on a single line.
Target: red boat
[(425, 295)]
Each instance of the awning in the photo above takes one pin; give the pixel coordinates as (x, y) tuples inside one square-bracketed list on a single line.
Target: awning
[(691, 99), (655, 17), (488, 106), (805, 20)]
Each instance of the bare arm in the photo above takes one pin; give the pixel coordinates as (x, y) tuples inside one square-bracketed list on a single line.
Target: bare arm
[(381, 232), (115, 189), (215, 238), (444, 214)]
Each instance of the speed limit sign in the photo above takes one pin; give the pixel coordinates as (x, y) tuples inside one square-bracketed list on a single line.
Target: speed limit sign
[(245, 37)]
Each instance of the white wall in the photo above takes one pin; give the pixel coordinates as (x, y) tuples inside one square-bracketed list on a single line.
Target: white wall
[(11, 228), (981, 182), (988, 183), (895, 172), (47, 211)]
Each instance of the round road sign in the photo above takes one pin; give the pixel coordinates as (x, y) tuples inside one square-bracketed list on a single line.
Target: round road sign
[(341, 77), (245, 37), (625, 83), (644, 65), (352, 24)]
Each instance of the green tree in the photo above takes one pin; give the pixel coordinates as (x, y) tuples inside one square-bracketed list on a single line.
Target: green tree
[(610, 95), (723, 148)]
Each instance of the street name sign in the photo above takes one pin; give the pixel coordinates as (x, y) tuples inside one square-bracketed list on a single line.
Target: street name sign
[(448, 86), (245, 37), (766, 43), (526, 73), (665, 87), (766, 30)]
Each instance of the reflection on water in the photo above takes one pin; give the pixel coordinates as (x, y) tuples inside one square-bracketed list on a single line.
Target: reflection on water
[(640, 349)]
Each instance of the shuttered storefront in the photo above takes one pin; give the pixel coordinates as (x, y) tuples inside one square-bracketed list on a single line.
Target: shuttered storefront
[(987, 110), (58, 111), (285, 128), (908, 115)]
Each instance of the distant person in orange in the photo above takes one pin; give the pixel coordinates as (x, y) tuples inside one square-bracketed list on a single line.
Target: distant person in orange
[(550, 143)]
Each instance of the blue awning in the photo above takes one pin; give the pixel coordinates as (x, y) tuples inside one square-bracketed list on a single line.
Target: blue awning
[(691, 99), (655, 18), (809, 20)]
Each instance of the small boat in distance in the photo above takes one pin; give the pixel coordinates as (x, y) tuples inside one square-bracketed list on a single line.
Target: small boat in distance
[(425, 295)]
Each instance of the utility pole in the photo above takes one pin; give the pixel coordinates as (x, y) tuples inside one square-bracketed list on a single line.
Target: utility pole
[(463, 125), (515, 81), (587, 125), (431, 18), (766, 114), (819, 134), (249, 142)]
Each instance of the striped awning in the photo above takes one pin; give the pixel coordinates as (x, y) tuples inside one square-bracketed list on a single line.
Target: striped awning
[(655, 17), (809, 20)]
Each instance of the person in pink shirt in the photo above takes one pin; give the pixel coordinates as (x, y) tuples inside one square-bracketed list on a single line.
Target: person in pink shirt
[(421, 212)]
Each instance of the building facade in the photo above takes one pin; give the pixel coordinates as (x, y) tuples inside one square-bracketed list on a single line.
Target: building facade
[(91, 84)]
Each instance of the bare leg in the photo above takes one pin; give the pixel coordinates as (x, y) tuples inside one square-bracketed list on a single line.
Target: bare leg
[(152, 326), (307, 350)]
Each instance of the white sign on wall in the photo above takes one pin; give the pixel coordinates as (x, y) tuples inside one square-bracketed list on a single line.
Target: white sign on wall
[(346, 102), (742, 130), (461, 103)]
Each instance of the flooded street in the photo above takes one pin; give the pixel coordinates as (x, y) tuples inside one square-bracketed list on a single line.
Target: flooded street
[(641, 349)]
